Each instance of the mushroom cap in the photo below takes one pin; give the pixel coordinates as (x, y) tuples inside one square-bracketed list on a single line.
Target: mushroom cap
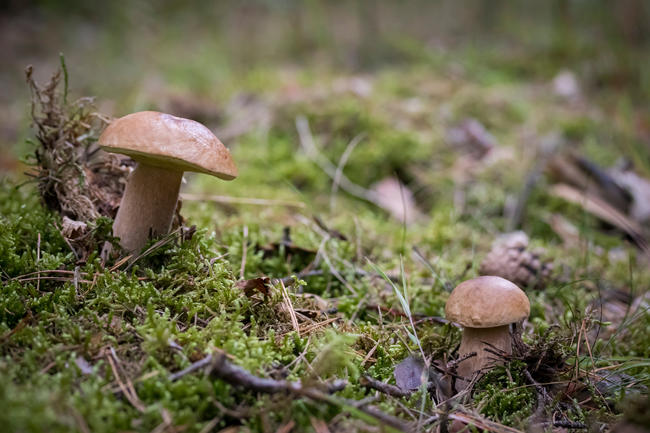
[(171, 142), (487, 302)]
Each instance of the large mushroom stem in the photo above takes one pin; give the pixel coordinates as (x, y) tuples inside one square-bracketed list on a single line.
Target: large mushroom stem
[(479, 339), (148, 205)]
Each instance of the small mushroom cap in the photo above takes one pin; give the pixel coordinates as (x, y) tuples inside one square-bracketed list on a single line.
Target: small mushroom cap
[(487, 302), (167, 141)]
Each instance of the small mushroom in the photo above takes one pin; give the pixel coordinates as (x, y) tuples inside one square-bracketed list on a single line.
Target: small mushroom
[(164, 146), (485, 306)]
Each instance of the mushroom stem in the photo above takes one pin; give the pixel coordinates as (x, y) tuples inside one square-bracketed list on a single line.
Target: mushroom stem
[(474, 340), (148, 205)]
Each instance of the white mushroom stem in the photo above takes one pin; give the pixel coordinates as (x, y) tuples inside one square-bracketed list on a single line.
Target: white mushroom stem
[(148, 205), (474, 340)]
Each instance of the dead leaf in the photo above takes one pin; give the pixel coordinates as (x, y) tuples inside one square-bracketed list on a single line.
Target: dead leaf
[(72, 229), (395, 198), (408, 373), (255, 285), (585, 175), (599, 208)]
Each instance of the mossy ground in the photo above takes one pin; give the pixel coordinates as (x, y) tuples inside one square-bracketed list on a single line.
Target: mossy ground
[(90, 348)]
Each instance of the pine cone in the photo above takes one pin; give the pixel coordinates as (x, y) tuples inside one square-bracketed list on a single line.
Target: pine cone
[(510, 259)]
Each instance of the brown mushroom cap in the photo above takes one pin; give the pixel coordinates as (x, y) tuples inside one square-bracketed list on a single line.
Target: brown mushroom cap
[(171, 142), (487, 302)]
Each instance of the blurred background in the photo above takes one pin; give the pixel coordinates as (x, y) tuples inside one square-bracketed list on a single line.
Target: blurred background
[(130, 55), (404, 76)]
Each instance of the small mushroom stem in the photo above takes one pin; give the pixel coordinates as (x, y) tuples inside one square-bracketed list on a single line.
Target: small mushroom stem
[(474, 340), (148, 205)]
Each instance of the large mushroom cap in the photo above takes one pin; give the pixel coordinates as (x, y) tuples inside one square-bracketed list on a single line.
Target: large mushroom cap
[(171, 142), (487, 302)]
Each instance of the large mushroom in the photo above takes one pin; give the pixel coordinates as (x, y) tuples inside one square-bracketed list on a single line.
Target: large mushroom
[(164, 146), (485, 307)]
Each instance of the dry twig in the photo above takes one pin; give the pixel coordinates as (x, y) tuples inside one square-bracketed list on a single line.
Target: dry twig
[(384, 388), (220, 367)]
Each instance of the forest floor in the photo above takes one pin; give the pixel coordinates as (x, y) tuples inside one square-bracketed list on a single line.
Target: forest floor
[(299, 296)]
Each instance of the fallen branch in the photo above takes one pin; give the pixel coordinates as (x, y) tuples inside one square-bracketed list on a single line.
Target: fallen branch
[(384, 388), (220, 367), (198, 365)]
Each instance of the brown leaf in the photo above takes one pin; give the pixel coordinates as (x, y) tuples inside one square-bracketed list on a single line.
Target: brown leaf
[(72, 229), (255, 285), (583, 174), (396, 199), (601, 209)]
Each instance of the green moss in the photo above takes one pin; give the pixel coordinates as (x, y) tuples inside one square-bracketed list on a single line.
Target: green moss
[(503, 395), (23, 221)]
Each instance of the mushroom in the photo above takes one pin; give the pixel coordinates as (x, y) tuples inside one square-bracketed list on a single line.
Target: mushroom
[(164, 146), (485, 306)]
